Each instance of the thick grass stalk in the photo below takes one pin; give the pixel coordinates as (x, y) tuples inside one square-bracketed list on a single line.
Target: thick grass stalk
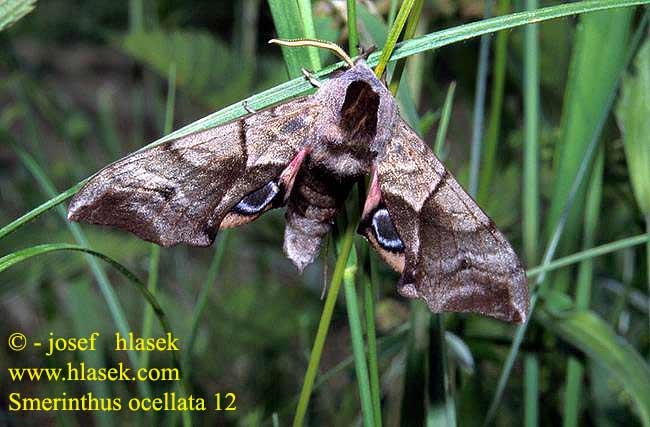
[(323, 326), (356, 336), (369, 282), (531, 387), (572, 401), (530, 208), (353, 33)]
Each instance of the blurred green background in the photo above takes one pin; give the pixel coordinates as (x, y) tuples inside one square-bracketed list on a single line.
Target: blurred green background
[(83, 83)]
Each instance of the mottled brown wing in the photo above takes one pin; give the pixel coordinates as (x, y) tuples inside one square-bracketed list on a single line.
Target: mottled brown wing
[(182, 191), (452, 255)]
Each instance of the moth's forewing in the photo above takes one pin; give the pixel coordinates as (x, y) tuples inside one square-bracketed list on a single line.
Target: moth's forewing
[(453, 257), (181, 191)]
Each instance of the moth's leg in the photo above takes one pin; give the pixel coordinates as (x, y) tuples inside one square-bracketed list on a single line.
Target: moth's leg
[(364, 52), (310, 77), (248, 108)]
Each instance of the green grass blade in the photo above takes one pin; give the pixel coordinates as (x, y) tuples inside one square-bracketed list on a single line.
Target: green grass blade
[(309, 30), (356, 336), (488, 163), (11, 11), (530, 185), (530, 209), (323, 326), (409, 33), (479, 107), (531, 391), (444, 121), (136, 16), (353, 33), (368, 283), (593, 336), (25, 254), (393, 35), (588, 254), (597, 62), (572, 393), (288, 20)]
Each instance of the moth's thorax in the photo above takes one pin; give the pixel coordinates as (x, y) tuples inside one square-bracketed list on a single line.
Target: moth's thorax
[(356, 123)]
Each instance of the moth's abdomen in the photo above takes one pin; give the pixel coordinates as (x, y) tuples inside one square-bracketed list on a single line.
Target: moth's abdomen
[(311, 209)]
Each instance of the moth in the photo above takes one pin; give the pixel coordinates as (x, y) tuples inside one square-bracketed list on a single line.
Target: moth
[(305, 155)]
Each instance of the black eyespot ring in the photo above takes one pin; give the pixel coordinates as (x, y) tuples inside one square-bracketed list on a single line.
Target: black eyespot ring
[(255, 202), (384, 231)]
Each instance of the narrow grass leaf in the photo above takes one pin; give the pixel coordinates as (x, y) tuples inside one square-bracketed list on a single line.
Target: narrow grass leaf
[(488, 164), (441, 134), (587, 254), (11, 11), (356, 336), (409, 33), (353, 33), (25, 254), (287, 18), (393, 35), (478, 114), (530, 208), (572, 393), (309, 30), (323, 326), (595, 70), (593, 336)]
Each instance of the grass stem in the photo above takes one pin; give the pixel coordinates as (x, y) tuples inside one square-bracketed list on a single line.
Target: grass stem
[(323, 326)]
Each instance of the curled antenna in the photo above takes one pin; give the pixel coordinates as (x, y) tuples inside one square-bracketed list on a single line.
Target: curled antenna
[(316, 43)]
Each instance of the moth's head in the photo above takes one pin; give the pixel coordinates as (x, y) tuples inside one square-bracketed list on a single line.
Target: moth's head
[(361, 107)]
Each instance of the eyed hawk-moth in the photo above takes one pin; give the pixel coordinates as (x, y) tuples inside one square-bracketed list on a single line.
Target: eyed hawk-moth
[(305, 155)]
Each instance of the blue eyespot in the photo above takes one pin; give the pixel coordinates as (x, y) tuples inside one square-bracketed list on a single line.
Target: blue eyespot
[(255, 202), (385, 233)]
